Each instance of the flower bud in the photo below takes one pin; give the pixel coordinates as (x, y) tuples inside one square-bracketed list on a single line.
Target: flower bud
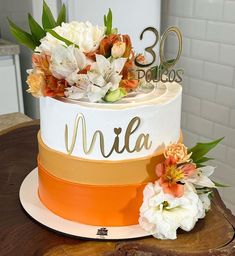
[(115, 95), (118, 49)]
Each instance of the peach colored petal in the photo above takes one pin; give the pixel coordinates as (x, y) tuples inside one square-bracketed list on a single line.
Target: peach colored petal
[(170, 161), (159, 169), (174, 189), (188, 169)]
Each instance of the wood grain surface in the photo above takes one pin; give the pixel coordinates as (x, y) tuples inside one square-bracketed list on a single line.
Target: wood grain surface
[(21, 235)]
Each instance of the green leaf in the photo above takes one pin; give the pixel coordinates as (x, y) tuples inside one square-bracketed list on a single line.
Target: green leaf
[(109, 22), (48, 20), (56, 35), (204, 159), (115, 95), (62, 16), (22, 36), (36, 30), (219, 185), (202, 149)]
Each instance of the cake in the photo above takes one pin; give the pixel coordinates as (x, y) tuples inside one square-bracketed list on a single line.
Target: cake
[(104, 187), (110, 142)]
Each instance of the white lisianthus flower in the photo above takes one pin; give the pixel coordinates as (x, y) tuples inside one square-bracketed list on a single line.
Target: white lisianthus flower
[(206, 202), (201, 177), (66, 61), (85, 35), (162, 214)]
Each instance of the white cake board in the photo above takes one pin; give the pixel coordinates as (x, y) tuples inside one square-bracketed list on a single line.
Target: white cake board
[(34, 207)]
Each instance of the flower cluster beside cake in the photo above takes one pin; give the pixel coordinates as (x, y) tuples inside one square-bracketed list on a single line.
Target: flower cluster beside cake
[(110, 152)]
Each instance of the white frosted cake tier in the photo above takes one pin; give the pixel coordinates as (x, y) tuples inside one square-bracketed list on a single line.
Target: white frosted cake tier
[(153, 119)]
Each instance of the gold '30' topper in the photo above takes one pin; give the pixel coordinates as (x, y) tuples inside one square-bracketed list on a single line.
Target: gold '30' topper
[(157, 73)]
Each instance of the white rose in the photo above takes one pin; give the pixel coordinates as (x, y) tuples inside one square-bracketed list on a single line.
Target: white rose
[(162, 214), (86, 36), (66, 61)]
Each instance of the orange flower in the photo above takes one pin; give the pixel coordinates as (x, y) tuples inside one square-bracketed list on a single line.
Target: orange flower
[(129, 84), (126, 39), (170, 176), (37, 83), (108, 42), (106, 45), (41, 62), (54, 87), (178, 151)]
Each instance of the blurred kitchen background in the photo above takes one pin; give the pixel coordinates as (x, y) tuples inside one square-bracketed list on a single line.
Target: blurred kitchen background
[(208, 60)]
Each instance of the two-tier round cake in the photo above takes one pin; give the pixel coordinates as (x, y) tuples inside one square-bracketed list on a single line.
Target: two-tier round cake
[(95, 159)]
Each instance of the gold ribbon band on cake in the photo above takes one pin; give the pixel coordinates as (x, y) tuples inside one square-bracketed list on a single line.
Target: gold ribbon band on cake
[(98, 172), (98, 205)]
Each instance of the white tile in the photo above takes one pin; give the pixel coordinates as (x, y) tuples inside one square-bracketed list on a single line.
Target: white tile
[(225, 96), (219, 152), (199, 125), (192, 67), (229, 10), (208, 9), (205, 50), (224, 173), (226, 132), (172, 45), (227, 54), (190, 139), (185, 83), (218, 73), (221, 32), (215, 112), (183, 119), (191, 104), (168, 21), (181, 7), (231, 156), (232, 118), (193, 28), (202, 89)]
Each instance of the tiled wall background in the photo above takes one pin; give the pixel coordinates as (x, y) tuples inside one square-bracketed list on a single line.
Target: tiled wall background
[(208, 60)]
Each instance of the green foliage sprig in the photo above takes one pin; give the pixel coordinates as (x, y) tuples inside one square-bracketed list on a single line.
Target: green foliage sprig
[(108, 22), (200, 150), (32, 39)]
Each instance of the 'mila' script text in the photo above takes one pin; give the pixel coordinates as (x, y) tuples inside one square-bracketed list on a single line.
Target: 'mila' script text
[(142, 141)]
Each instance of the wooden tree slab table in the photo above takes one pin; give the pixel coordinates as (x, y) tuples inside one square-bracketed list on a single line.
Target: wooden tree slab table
[(21, 235)]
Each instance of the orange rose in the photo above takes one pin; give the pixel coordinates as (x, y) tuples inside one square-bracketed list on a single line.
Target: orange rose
[(37, 83), (178, 151)]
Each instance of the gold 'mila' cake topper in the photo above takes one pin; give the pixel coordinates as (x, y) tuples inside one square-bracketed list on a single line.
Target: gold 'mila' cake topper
[(143, 140)]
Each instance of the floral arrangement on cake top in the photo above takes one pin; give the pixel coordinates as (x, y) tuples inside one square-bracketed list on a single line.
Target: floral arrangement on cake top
[(77, 60), (182, 192)]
